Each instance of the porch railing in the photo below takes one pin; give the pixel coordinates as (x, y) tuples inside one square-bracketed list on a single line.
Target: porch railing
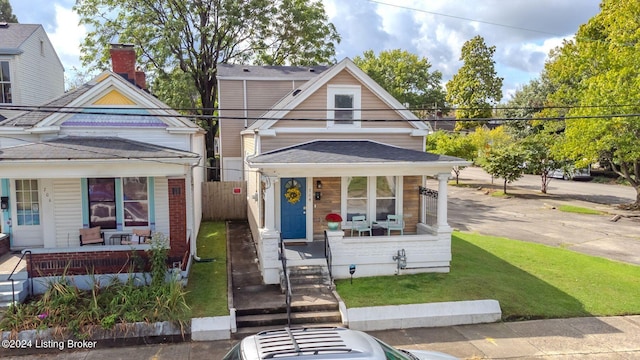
[(29, 277), (286, 281), (430, 209), (328, 255)]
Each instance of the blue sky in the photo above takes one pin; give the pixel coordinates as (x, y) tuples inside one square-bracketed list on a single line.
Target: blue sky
[(523, 31)]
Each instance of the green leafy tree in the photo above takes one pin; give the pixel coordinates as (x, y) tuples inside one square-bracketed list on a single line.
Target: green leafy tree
[(453, 144), (405, 76), (505, 162), (528, 102), (476, 88), (6, 12), (485, 139), (542, 157), (599, 73), (173, 38)]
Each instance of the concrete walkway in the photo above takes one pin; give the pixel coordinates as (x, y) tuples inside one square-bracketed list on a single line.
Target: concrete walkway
[(577, 338)]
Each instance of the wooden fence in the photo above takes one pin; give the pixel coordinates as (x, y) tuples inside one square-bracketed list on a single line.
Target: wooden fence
[(224, 200)]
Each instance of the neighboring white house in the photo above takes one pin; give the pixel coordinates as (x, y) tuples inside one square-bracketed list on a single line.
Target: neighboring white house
[(30, 71), (106, 154)]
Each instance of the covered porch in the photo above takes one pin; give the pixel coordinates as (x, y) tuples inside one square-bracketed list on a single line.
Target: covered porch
[(356, 180)]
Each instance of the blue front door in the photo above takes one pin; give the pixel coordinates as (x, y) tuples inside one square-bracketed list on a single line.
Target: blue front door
[(293, 218)]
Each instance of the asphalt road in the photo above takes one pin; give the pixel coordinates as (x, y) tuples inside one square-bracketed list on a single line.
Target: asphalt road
[(607, 194), (529, 215)]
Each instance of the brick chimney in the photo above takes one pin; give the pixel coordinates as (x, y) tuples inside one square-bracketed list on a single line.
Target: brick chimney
[(123, 62)]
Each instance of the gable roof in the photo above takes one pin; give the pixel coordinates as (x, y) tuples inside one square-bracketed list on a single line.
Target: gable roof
[(75, 107), (297, 96), (13, 35), (92, 148)]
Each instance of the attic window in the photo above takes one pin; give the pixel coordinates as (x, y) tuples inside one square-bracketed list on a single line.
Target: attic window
[(343, 106)]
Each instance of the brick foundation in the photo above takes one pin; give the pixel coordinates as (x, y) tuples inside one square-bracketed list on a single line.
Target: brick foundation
[(83, 263)]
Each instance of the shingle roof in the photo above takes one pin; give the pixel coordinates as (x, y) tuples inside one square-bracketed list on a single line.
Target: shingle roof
[(95, 148), (347, 152), (13, 35), (280, 72), (32, 118)]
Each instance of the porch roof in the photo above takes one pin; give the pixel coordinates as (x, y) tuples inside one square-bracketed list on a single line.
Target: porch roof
[(353, 154), (92, 148)]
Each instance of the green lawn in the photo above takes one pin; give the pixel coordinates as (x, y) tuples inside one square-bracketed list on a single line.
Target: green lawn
[(207, 286), (579, 210), (529, 280)]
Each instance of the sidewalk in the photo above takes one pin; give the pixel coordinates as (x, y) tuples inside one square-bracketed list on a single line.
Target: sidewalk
[(577, 338)]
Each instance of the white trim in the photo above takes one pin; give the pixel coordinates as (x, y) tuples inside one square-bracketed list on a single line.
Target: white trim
[(353, 90), (371, 197), (342, 129)]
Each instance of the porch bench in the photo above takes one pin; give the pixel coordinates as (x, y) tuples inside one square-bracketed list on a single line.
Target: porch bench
[(91, 236)]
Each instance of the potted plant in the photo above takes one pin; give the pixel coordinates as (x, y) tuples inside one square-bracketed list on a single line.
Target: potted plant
[(333, 220)]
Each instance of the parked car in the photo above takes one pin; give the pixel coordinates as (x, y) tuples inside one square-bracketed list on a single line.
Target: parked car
[(571, 173), (322, 343)]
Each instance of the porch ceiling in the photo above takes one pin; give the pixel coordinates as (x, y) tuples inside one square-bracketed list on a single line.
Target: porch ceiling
[(335, 157)]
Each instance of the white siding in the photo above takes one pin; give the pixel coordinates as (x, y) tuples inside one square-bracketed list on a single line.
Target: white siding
[(161, 196), (67, 211), (39, 75)]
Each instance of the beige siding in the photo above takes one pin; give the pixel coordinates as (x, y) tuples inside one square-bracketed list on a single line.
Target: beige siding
[(262, 95), (231, 97), (284, 140), (67, 203), (314, 107), (161, 197)]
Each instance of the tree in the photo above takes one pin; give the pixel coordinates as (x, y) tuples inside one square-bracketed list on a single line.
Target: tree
[(405, 76), (476, 88), (454, 144), (598, 73), (6, 12), (541, 156), (505, 162), (173, 38)]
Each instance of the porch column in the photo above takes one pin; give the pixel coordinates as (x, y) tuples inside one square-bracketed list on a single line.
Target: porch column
[(270, 204), (442, 223)]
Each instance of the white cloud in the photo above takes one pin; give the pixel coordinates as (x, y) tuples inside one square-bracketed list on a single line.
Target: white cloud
[(68, 35)]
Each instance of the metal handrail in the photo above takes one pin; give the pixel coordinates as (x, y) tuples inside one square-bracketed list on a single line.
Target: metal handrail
[(10, 278), (328, 255), (287, 282)]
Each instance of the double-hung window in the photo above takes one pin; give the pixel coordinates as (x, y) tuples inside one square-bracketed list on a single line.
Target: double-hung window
[(343, 105), (113, 200), (5, 83), (372, 196)]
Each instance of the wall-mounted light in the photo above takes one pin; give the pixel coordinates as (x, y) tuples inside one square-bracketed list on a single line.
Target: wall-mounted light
[(4, 203), (318, 195), (318, 184)]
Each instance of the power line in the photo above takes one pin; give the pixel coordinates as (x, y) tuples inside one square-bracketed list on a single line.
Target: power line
[(465, 18)]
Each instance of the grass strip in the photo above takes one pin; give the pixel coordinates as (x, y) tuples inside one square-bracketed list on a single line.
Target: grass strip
[(579, 210), (207, 286), (531, 281)]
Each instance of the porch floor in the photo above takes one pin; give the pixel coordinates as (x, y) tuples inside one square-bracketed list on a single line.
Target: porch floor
[(8, 262), (306, 251)]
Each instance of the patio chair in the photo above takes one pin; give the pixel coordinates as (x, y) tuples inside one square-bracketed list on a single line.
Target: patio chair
[(394, 222), (91, 236), (142, 234), (359, 223)]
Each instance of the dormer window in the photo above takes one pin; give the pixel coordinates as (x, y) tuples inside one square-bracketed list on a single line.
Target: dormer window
[(5, 83), (343, 105)]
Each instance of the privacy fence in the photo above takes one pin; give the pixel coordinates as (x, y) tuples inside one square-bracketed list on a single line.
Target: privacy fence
[(224, 200)]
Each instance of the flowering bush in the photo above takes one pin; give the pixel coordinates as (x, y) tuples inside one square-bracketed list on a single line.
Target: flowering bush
[(333, 217)]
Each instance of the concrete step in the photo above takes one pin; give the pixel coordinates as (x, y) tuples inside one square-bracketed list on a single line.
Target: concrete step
[(246, 331), (317, 317), (18, 275), (7, 295)]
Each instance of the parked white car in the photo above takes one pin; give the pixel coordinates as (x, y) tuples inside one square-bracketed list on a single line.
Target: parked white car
[(327, 343), (571, 174)]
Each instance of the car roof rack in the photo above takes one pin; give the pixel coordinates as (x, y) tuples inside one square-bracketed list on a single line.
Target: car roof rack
[(289, 342)]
